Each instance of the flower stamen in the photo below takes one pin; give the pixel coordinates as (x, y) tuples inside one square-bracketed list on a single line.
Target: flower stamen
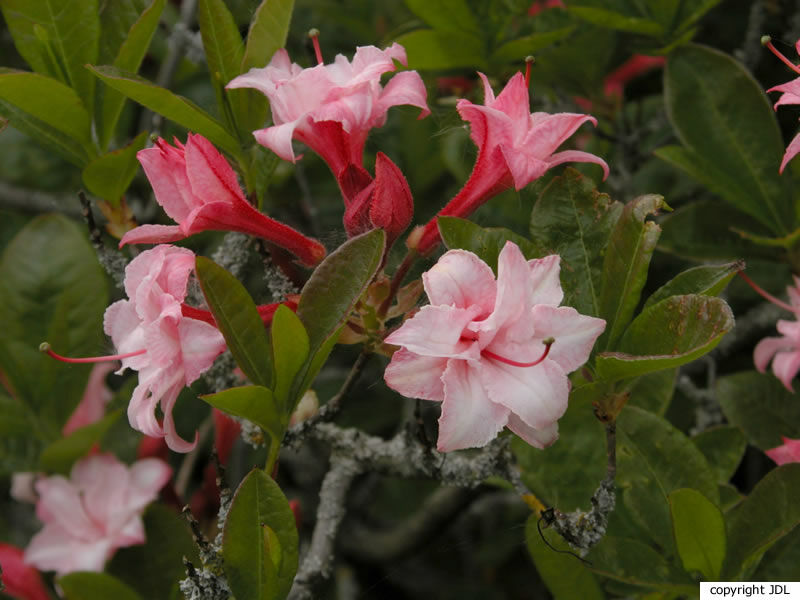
[(45, 347), (767, 41), (767, 295), (529, 60), (314, 35), (547, 343)]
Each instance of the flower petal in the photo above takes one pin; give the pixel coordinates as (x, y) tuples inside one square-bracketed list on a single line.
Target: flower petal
[(436, 331), (200, 344), (766, 349), (461, 279), (538, 438), (210, 175), (575, 334), (416, 376), (544, 279), (785, 365), (152, 234)]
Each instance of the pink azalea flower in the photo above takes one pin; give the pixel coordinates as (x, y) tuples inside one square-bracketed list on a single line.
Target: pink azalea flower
[(21, 581), (197, 187), (515, 147), (94, 512), (331, 108), (482, 348), (790, 95), (788, 452), (169, 350)]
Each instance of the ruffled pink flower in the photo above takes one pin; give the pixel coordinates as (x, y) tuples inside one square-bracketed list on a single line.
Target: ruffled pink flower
[(331, 108), (783, 351), (94, 512), (465, 348), (515, 147), (168, 349), (198, 189), (21, 581), (788, 452), (790, 95), (93, 403)]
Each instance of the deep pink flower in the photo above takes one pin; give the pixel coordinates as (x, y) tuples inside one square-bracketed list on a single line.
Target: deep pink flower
[(197, 188), (92, 406), (788, 452), (465, 347), (94, 512), (784, 351), (331, 108), (790, 95), (21, 581), (175, 349), (515, 147)]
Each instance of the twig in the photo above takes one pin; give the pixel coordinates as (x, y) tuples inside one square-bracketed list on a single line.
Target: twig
[(113, 261), (36, 201)]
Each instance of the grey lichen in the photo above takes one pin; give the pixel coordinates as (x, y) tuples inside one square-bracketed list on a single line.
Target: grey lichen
[(581, 529)]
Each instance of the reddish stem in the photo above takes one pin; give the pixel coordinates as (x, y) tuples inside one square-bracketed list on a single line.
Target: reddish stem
[(45, 347)]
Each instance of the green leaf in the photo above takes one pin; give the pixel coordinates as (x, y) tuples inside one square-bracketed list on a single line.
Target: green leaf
[(68, 37), (782, 561), (254, 403), (572, 219), (260, 540), (668, 334), (486, 242), (699, 531), (91, 586), (438, 50), (766, 515), (59, 456), (290, 347), (625, 265), (53, 290), (116, 20), (108, 176), (740, 139), (19, 444), (565, 577), (174, 107), (332, 291), (519, 48), (653, 391), (268, 31), (723, 447), (129, 58), (154, 568), (43, 100), (760, 406), (238, 319), (614, 20), (708, 280), (446, 15)]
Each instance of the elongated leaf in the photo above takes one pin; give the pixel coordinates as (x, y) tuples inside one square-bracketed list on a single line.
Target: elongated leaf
[(290, 347), (446, 15), (668, 334), (515, 49), (766, 515), (627, 259), (71, 32), (699, 531), (572, 219), (59, 456), (20, 445), (91, 586), (721, 113), (708, 280), (486, 242), (129, 58), (653, 392), (254, 403), (618, 21), (174, 107), (116, 20), (782, 561), (429, 49), (238, 320), (268, 31), (723, 447), (108, 176), (260, 540)]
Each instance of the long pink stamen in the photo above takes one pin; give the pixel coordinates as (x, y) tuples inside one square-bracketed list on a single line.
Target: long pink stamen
[(529, 60), (767, 295), (45, 347), (767, 41), (547, 344), (314, 35)]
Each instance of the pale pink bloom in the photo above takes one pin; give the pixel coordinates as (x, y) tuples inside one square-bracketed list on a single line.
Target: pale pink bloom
[(789, 452), (515, 147), (331, 108), (21, 581), (459, 349), (23, 486), (175, 349), (790, 95), (94, 512), (784, 351), (198, 189), (93, 404)]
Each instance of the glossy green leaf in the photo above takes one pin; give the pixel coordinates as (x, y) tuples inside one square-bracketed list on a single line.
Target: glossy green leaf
[(268, 31), (238, 319), (766, 515), (128, 58), (437, 50), (254, 403), (60, 300), (486, 242), (572, 219), (614, 20), (699, 531), (760, 406), (564, 576), (332, 291), (260, 540), (108, 176), (668, 334), (729, 496), (116, 20), (91, 586), (625, 265), (290, 347), (740, 139), (708, 280), (59, 456), (518, 49), (446, 15), (19, 444), (174, 107), (723, 447), (782, 561), (68, 38), (653, 391)]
